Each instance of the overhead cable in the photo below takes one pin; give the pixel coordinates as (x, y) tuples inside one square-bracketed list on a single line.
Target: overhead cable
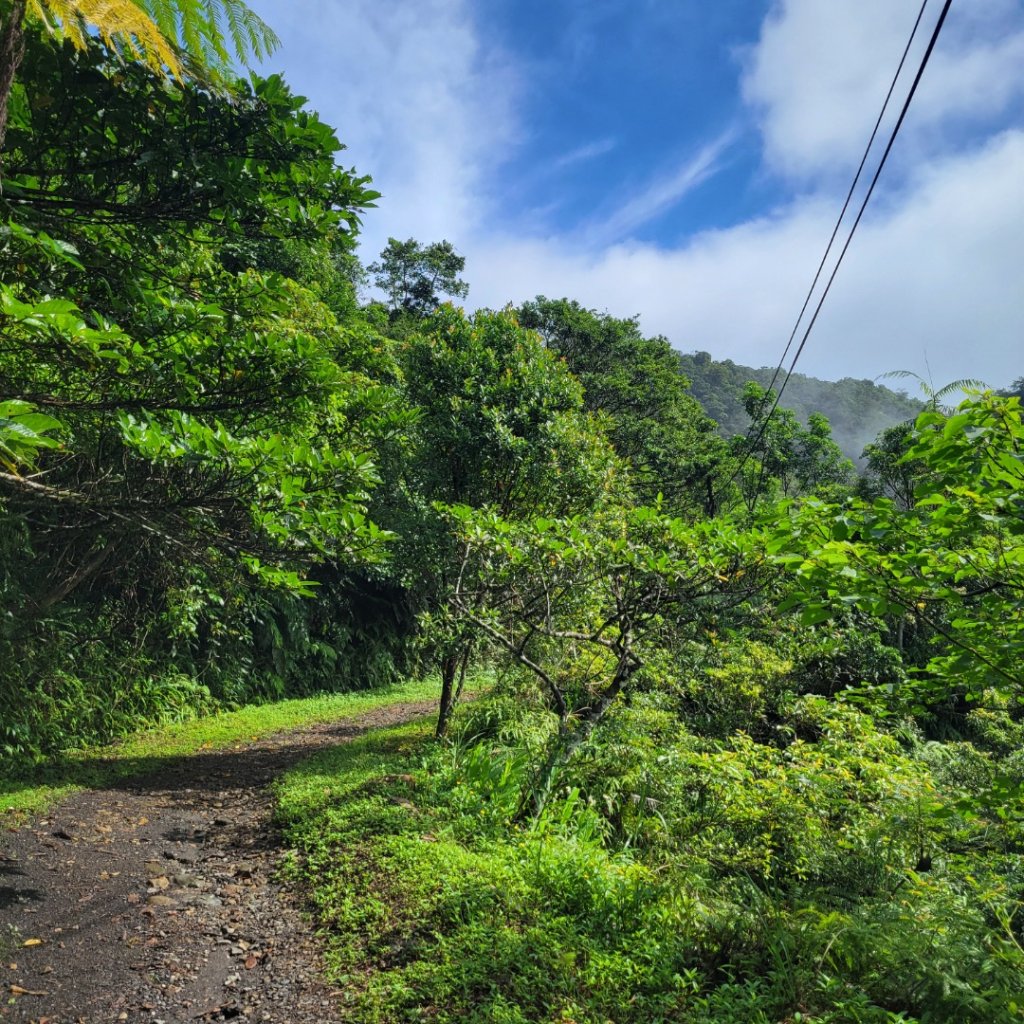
[(860, 213)]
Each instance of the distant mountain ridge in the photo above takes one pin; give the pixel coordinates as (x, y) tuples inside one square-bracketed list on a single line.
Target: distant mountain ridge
[(857, 409)]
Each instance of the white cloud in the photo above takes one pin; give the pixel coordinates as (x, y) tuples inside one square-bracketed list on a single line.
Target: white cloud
[(937, 276), (420, 102), (431, 110), (820, 71), (589, 151)]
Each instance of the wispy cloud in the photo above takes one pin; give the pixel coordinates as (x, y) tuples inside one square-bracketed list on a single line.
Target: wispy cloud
[(659, 195), (590, 151)]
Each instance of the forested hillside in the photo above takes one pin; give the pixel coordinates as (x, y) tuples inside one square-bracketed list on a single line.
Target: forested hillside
[(752, 745), (857, 409)]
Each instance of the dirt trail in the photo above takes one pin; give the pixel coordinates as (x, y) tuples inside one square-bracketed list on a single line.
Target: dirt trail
[(154, 900)]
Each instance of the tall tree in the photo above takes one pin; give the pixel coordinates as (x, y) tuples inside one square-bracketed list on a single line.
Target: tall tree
[(1015, 390), (889, 472), (187, 428), (221, 393), (499, 424), (415, 277)]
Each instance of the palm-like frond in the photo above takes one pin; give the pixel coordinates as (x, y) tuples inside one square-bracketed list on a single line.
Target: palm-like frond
[(213, 32), (933, 394), (122, 24), (180, 38)]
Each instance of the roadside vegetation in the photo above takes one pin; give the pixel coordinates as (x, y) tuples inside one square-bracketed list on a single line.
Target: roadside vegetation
[(676, 877), (754, 753)]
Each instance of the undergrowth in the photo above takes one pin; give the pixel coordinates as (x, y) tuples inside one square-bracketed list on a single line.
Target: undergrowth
[(676, 877)]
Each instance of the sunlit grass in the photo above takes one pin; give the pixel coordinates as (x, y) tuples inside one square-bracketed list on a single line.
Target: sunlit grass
[(31, 791)]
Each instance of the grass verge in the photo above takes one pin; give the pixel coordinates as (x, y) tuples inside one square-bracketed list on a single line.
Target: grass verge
[(431, 908), (785, 897), (31, 791)]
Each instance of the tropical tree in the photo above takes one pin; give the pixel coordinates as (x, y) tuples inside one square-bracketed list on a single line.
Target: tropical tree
[(636, 383), (1016, 389), (180, 39), (499, 423), (188, 420), (935, 397), (415, 276)]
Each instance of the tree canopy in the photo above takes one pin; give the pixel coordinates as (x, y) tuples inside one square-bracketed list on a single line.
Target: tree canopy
[(414, 277)]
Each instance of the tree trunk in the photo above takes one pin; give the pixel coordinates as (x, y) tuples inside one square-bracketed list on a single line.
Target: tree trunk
[(444, 709), (453, 679), (537, 793), (12, 49), (81, 575), (462, 674)]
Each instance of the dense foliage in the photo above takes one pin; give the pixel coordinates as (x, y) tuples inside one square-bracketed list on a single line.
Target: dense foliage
[(754, 753)]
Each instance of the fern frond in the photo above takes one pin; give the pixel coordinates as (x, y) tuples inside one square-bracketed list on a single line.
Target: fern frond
[(121, 24), (933, 394), (250, 33), (203, 29), (891, 374), (165, 14), (178, 38), (214, 14), (965, 383)]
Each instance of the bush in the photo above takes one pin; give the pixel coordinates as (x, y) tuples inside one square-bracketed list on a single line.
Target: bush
[(673, 877)]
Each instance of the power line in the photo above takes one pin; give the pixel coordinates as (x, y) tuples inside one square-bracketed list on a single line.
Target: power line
[(871, 188), (849, 194), (860, 213)]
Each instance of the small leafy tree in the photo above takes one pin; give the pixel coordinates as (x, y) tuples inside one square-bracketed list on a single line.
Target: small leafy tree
[(888, 471), (415, 276), (583, 603)]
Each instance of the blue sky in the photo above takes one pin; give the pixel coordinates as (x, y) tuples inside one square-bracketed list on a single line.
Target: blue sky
[(684, 161)]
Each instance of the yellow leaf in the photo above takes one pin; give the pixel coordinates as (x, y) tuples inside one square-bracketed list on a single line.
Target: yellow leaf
[(121, 23), (17, 990), (32, 942)]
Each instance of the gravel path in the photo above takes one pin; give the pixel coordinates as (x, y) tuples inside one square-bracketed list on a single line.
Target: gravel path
[(155, 900)]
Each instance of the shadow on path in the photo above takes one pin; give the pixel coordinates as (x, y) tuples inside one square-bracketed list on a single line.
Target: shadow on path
[(156, 895)]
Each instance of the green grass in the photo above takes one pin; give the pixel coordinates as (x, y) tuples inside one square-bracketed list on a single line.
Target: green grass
[(433, 905), (32, 791), (431, 908)]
